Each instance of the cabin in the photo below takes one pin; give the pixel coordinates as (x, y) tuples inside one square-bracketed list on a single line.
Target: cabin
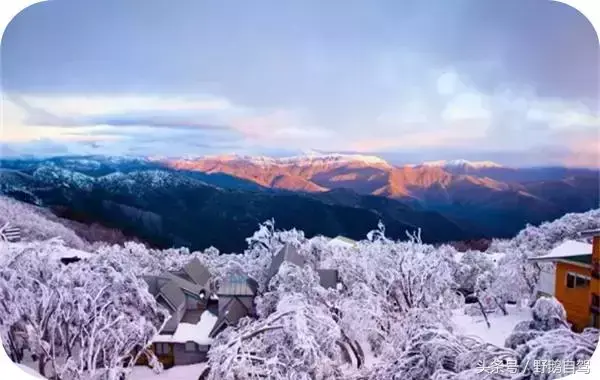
[(328, 278), (198, 315), (184, 339), (236, 300), (576, 279)]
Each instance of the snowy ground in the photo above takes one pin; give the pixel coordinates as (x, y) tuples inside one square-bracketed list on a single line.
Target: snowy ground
[(184, 372), (501, 325), (30, 371)]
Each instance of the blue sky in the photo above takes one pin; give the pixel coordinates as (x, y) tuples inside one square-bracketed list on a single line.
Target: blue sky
[(515, 81)]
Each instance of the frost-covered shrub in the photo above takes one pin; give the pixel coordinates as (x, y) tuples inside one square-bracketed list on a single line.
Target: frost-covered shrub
[(33, 223), (561, 345), (547, 314), (435, 352)]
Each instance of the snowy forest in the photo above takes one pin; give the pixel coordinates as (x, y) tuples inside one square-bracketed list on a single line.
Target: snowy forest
[(394, 311)]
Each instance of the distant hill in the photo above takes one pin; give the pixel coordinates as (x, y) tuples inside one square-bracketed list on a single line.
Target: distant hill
[(220, 200), (484, 197), (172, 207)]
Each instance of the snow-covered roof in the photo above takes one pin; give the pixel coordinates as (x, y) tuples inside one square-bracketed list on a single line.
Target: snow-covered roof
[(288, 253), (569, 248), (341, 241), (589, 233), (188, 332)]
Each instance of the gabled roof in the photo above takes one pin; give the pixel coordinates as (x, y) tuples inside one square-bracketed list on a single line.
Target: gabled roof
[(571, 250), (235, 310), (155, 283), (184, 284), (184, 279), (238, 286), (197, 272), (232, 312), (328, 278), (287, 253), (173, 295)]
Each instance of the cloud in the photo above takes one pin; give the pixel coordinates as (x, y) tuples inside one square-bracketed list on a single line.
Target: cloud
[(558, 114), (98, 105), (410, 113), (467, 106), (446, 112), (139, 123), (448, 83), (449, 113)]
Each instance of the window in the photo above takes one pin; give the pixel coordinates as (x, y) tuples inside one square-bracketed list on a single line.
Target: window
[(162, 348), (190, 346), (575, 280)]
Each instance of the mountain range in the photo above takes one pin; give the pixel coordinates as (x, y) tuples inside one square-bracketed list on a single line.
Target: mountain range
[(220, 200)]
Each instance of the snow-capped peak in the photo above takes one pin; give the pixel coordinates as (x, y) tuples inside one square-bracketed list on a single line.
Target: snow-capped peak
[(308, 159), (462, 163)]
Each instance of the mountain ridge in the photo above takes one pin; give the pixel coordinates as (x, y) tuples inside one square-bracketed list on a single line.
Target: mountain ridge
[(346, 195), (172, 208)]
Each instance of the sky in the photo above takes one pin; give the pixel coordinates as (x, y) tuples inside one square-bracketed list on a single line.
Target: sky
[(512, 81)]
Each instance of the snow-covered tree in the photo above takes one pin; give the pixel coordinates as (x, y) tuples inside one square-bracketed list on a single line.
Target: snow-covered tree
[(547, 314), (435, 352), (82, 321), (391, 319), (558, 345), (297, 341), (469, 267)]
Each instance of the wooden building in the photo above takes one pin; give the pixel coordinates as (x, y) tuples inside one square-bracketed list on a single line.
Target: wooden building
[(577, 279)]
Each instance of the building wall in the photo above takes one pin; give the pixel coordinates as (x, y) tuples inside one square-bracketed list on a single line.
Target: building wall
[(576, 301), (249, 303), (547, 282), (183, 357), (194, 304), (595, 283)]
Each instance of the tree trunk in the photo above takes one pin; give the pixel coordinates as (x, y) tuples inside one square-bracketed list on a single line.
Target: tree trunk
[(16, 354), (42, 364), (501, 306), (484, 313)]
